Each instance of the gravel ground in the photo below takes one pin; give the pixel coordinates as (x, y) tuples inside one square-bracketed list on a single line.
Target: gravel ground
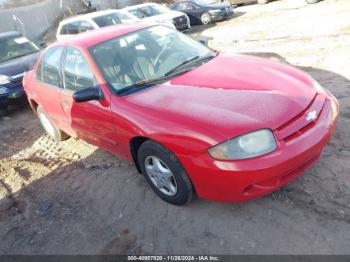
[(72, 198)]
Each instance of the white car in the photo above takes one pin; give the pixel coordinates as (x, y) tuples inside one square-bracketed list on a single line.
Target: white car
[(156, 13), (82, 23)]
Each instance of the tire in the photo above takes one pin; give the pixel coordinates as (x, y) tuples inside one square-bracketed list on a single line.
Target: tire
[(147, 157), (262, 2), (55, 134), (312, 1), (205, 19)]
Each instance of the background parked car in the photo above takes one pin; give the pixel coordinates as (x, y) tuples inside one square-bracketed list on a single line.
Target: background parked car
[(17, 55), (83, 23), (160, 14), (204, 11), (237, 2), (262, 2)]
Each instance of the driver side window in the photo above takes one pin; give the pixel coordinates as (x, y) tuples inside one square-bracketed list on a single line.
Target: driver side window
[(76, 72)]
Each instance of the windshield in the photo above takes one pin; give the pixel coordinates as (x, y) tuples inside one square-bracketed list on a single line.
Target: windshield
[(204, 2), (17, 46), (147, 54), (113, 19), (148, 11)]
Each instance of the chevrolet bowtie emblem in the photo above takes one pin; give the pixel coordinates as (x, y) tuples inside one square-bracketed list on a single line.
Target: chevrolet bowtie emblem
[(312, 115)]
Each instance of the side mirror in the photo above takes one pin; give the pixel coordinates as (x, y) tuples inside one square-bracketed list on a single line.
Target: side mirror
[(88, 94), (204, 40), (43, 44)]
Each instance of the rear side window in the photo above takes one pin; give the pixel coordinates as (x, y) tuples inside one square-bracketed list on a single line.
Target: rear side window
[(107, 20), (76, 71), (76, 28), (49, 68)]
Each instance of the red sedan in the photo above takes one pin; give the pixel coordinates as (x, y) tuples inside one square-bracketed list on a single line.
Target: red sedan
[(195, 122)]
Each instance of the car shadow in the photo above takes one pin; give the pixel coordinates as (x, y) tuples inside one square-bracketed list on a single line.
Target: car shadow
[(19, 128)]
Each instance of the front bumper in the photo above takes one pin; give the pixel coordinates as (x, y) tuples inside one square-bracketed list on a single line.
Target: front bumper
[(242, 180), (12, 95), (221, 16)]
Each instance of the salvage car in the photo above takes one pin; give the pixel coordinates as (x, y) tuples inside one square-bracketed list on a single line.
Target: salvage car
[(156, 13), (204, 11), (224, 127), (17, 55), (82, 23)]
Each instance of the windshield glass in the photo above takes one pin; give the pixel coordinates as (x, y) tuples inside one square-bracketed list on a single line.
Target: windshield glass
[(147, 54), (204, 2), (149, 10), (11, 48), (113, 19)]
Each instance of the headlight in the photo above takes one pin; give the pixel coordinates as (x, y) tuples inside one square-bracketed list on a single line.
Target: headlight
[(319, 88), (4, 80), (250, 145)]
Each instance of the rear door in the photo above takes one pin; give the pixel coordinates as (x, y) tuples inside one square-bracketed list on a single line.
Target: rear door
[(48, 84), (90, 121)]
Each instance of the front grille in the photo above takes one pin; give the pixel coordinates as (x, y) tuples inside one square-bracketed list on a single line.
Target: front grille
[(180, 21), (299, 124)]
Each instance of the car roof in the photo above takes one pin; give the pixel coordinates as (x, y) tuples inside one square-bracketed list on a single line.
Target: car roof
[(132, 7), (94, 37), (9, 34), (91, 15)]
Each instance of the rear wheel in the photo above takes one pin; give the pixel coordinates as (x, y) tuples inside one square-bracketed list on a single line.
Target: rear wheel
[(205, 18), (165, 174), (55, 134)]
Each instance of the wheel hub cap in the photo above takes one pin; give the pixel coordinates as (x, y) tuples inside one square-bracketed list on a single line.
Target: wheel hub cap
[(161, 176)]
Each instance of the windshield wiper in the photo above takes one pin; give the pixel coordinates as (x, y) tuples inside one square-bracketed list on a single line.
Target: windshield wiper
[(165, 77), (181, 65), (143, 83)]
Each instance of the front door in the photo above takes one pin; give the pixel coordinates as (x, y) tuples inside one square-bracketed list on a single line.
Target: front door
[(90, 121)]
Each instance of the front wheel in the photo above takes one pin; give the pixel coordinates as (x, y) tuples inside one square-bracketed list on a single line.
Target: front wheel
[(262, 2), (55, 134), (205, 18), (311, 1), (165, 174)]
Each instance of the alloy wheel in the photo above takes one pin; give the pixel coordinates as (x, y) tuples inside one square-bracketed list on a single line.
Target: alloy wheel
[(161, 176)]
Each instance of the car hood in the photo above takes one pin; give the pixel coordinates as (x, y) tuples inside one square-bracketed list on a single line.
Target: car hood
[(218, 5), (18, 65), (231, 95)]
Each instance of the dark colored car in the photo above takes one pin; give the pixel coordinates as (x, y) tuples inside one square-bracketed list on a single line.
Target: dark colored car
[(204, 11), (17, 55)]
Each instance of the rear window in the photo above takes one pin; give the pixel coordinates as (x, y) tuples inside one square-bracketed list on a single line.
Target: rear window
[(76, 28), (148, 11), (49, 67), (70, 29)]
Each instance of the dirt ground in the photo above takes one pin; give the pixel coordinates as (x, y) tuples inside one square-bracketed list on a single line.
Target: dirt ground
[(72, 198)]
